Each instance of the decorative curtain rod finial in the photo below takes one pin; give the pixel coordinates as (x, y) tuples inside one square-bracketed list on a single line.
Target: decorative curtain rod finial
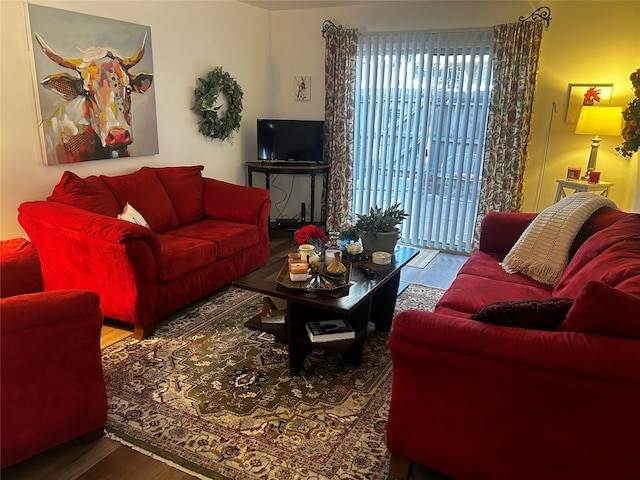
[(540, 13), (329, 25)]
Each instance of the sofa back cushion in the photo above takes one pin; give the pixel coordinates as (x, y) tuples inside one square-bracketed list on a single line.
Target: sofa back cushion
[(185, 187), (603, 310), (610, 256), (89, 193), (144, 191)]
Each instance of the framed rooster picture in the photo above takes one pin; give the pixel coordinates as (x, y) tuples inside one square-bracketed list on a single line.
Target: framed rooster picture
[(93, 80), (586, 94)]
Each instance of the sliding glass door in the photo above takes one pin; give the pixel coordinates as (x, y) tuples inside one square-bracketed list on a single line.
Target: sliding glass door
[(421, 109)]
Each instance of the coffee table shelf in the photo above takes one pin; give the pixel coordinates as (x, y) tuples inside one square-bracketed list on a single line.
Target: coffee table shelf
[(279, 330)]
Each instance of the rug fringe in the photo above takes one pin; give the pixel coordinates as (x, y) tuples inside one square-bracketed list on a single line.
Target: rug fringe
[(112, 436)]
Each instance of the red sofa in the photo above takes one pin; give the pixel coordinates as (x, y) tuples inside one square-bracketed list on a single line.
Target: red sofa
[(203, 234), (52, 386), (547, 388)]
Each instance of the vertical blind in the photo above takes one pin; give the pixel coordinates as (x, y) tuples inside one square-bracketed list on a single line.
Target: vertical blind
[(422, 101)]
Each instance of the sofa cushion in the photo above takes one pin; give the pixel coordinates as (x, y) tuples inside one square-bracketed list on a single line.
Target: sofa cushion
[(144, 190), (89, 193), (600, 309), (487, 265), (543, 314), (185, 187), (181, 255), (610, 256), (229, 237), (469, 293)]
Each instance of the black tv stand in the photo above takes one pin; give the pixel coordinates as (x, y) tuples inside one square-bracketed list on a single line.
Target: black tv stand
[(294, 168)]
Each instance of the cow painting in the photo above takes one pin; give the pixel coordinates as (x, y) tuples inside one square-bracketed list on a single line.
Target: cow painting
[(95, 121)]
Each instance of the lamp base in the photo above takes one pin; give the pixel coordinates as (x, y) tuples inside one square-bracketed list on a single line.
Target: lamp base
[(593, 157)]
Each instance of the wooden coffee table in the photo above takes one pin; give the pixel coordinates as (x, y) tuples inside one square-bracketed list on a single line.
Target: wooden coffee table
[(367, 299)]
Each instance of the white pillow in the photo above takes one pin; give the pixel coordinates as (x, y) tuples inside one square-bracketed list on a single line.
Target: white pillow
[(130, 214)]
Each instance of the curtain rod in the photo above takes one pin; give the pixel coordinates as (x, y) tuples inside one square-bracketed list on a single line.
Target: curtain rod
[(540, 13), (329, 25)]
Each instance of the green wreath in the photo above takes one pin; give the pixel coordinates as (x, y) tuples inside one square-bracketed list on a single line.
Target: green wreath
[(213, 125)]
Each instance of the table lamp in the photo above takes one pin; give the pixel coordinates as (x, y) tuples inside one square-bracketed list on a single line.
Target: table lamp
[(598, 121)]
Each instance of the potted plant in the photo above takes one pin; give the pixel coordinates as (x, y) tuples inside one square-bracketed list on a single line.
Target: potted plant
[(378, 229)]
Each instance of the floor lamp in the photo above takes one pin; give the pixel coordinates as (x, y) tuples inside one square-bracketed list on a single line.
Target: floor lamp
[(598, 121)]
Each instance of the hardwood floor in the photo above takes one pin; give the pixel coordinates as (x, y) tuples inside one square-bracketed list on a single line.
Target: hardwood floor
[(107, 459)]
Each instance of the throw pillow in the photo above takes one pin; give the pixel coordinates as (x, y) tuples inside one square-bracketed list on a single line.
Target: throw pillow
[(130, 214), (544, 314), (89, 193), (610, 256), (603, 310)]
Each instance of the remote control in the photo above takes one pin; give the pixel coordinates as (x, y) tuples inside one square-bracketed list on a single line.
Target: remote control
[(367, 271)]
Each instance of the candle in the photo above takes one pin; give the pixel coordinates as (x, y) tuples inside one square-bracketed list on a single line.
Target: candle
[(298, 271)]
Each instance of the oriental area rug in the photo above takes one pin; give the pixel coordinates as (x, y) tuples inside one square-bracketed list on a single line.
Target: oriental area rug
[(215, 399)]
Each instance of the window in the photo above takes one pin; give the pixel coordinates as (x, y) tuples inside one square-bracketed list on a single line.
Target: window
[(421, 110)]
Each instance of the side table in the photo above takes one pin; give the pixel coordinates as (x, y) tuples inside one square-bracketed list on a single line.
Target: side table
[(581, 186), (269, 168)]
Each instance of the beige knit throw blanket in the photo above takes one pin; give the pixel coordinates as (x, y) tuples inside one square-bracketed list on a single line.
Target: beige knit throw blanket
[(542, 251)]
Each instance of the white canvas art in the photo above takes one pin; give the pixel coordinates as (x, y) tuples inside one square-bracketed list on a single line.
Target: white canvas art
[(93, 80)]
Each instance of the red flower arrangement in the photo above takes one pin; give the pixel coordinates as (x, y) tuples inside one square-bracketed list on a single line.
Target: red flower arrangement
[(631, 116), (308, 234)]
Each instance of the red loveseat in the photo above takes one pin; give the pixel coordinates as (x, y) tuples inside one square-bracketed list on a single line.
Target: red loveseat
[(51, 385), (545, 389), (203, 234)]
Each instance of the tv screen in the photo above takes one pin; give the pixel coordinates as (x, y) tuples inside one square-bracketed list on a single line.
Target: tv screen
[(291, 140)]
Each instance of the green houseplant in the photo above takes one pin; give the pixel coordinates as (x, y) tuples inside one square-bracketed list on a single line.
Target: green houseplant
[(379, 228)]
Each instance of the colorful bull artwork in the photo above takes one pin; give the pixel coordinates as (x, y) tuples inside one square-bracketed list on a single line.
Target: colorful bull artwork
[(94, 119)]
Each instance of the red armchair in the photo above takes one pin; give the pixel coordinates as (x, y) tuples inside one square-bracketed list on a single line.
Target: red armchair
[(52, 387)]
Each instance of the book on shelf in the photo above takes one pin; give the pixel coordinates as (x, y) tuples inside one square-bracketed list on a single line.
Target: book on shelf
[(274, 310), (329, 330)]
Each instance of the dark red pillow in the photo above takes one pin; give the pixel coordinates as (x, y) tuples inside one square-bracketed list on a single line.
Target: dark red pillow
[(603, 310), (544, 314), (186, 189), (144, 191), (89, 193), (613, 252)]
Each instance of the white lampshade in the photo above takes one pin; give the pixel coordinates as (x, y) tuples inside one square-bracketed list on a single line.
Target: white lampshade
[(600, 121)]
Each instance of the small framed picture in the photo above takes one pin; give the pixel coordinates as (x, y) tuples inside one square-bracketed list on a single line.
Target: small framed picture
[(302, 87), (586, 94)]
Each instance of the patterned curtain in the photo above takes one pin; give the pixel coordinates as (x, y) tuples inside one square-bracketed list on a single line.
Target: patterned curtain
[(340, 87), (516, 50)]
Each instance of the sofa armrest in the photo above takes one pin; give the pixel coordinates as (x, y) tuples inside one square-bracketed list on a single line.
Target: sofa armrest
[(475, 400), (237, 203), (60, 216), (46, 309), (82, 250), (499, 231), (572, 353)]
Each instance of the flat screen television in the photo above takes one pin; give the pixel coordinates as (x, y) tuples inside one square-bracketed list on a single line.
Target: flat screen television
[(291, 140)]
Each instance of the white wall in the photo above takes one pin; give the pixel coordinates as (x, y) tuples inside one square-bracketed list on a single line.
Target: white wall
[(595, 41), (587, 42), (189, 40)]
